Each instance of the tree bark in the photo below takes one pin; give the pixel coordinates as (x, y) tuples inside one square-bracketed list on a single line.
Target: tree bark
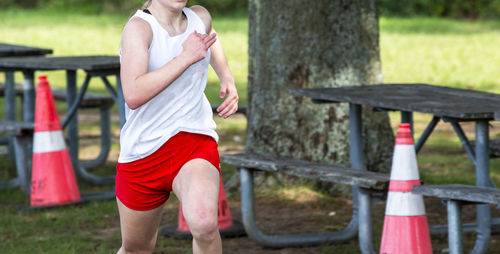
[(308, 44)]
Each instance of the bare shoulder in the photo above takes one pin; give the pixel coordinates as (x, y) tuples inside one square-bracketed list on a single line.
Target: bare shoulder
[(137, 31), (205, 16), (138, 26)]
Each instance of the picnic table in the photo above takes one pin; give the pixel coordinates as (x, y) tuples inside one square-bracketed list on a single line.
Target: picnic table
[(93, 66), (11, 50), (448, 104)]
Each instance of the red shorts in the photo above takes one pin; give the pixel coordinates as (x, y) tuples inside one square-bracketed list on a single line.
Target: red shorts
[(146, 183)]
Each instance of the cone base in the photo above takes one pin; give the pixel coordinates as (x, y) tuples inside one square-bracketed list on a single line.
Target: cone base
[(45, 204), (406, 234), (236, 230), (56, 205), (53, 181), (86, 198), (48, 207)]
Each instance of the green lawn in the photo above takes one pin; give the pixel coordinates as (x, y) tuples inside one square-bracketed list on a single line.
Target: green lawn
[(77, 34), (461, 54), (415, 50)]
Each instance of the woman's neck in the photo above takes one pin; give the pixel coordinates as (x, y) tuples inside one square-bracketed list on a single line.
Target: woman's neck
[(171, 17)]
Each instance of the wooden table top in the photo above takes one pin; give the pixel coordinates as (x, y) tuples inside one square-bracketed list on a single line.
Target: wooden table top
[(87, 63), (437, 100), (9, 50)]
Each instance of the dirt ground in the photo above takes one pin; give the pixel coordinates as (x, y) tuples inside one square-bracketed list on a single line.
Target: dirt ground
[(306, 213), (282, 216), (302, 211), (312, 214)]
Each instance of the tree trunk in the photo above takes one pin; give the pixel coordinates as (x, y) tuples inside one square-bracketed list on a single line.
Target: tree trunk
[(308, 44)]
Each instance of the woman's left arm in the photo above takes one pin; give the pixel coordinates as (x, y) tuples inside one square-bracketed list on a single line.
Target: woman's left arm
[(219, 63)]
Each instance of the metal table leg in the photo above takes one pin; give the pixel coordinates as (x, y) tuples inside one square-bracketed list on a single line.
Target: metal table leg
[(20, 143), (29, 96), (117, 96), (482, 179), (10, 113), (120, 100), (280, 241), (105, 139), (290, 240), (109, 88), (407, 117), (10, 109), (454, 227), (23, 169), (19, 147), (10, 96), (105, 124), (72, 129), (427, 132), (480, 157), (465, 142), (72, 122), (365, 235), (74, 102), (361, 199)]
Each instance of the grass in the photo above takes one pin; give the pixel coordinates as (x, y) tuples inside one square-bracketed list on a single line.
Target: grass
[(460, 54), (451, 53), (79, 34)]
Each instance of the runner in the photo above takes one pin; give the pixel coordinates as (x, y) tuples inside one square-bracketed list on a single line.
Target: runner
[(168, 142)]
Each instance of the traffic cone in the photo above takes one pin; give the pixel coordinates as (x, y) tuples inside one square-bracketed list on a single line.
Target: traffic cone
[(405, 224), (227, 226), (53, 180)]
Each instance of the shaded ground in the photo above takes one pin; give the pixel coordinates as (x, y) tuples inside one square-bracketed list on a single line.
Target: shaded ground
[(282, 208), (309, 213), (297, 209)]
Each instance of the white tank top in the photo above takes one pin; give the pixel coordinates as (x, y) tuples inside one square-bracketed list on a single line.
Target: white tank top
[(182, 106)]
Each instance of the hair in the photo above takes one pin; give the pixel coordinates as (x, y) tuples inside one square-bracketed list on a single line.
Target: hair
[(146, 4)]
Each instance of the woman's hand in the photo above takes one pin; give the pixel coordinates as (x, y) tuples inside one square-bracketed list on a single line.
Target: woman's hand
[(195, 47), (230, 104)]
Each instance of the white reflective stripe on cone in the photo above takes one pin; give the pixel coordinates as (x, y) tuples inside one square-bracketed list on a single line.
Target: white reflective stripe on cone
[(404, 204), (48, 141), (404, 163)]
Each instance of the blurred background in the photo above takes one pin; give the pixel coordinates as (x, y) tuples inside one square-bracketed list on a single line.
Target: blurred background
[(448, 43), (471, 9)]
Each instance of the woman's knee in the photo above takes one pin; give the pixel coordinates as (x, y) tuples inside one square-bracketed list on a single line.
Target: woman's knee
[(204, 227)]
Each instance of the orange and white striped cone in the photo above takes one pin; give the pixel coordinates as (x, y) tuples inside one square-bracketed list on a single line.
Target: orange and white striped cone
[(53, 180), (227, 226), (405, 224)]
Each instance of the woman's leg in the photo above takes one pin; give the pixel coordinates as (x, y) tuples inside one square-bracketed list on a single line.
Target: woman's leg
[(139, 229), (197, 187)]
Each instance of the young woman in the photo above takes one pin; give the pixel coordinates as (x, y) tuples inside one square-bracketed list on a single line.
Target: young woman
[(168, 142)]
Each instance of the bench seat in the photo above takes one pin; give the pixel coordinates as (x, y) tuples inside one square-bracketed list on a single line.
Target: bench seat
[(90, 100), (461, 192), (16, 128), (366, 186), (21, 134), (311, 170), (457, 195)]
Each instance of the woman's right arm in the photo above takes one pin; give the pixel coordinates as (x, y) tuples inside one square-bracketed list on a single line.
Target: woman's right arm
[(139, 86)]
